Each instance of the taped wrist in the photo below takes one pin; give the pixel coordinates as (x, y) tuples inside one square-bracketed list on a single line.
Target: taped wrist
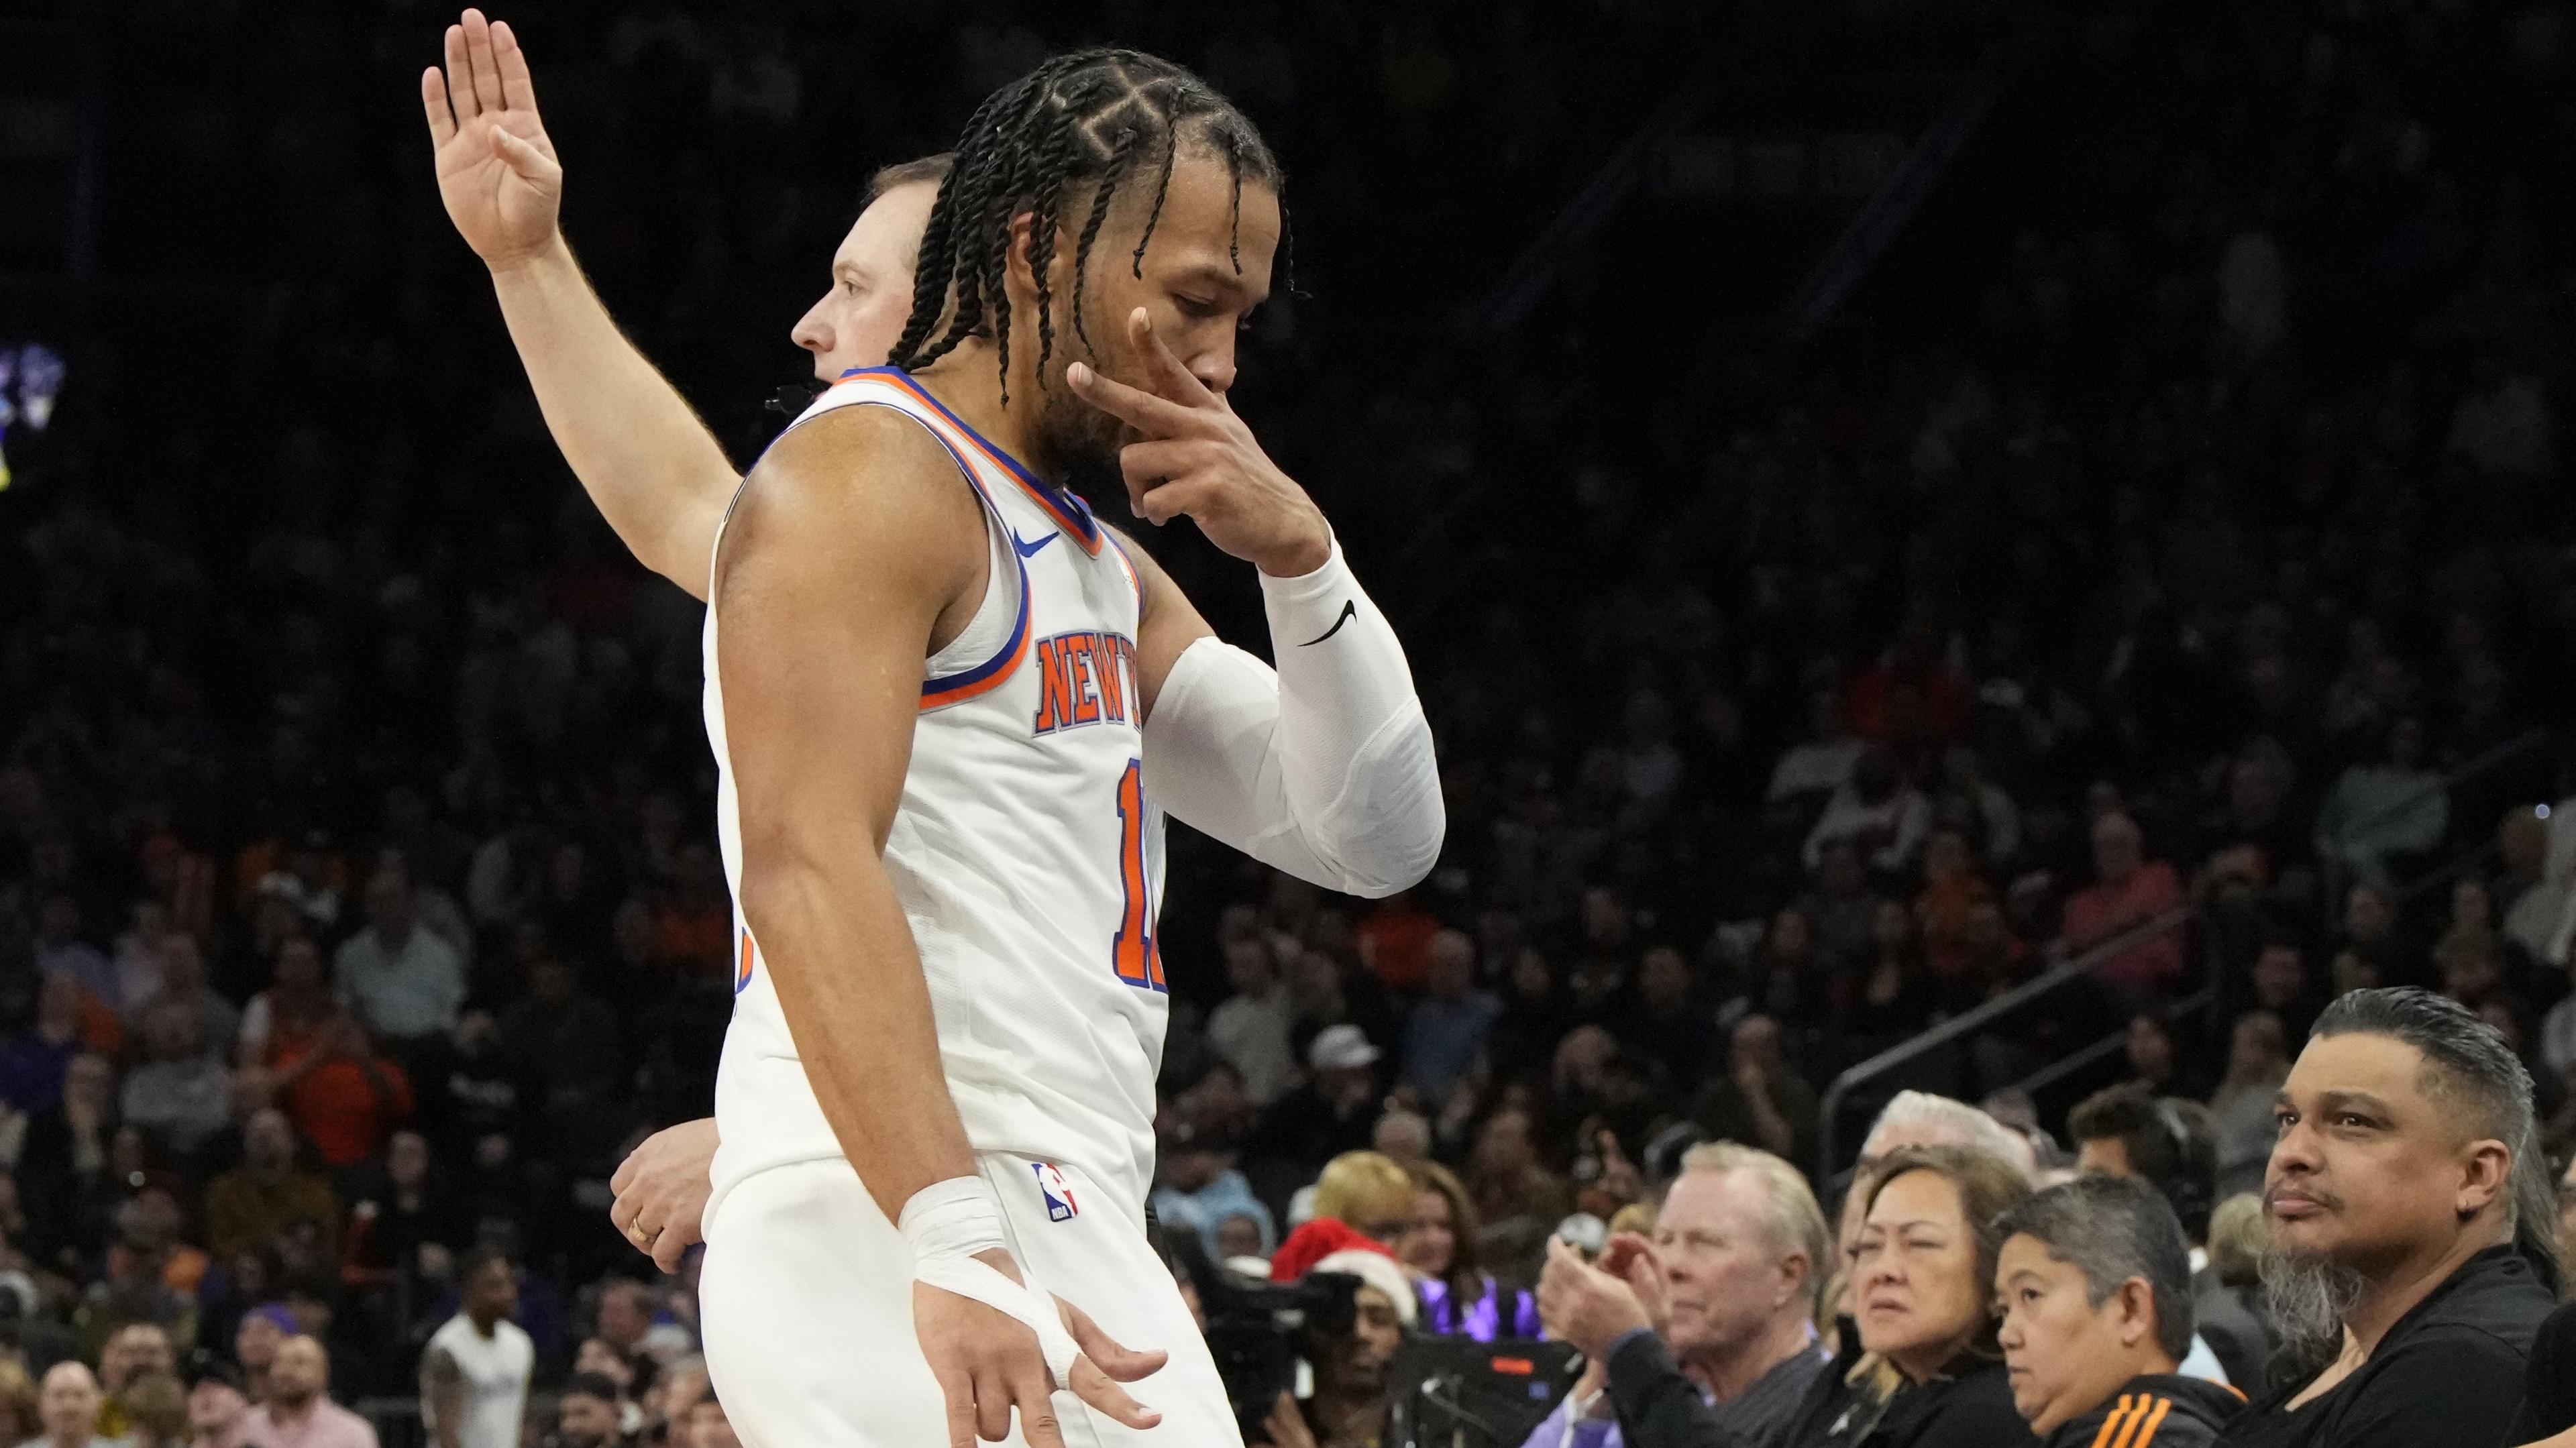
[(946, 1224)]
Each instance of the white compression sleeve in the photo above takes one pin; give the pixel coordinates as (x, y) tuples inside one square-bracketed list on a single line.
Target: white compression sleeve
[(947, 1223), (1322, 768)]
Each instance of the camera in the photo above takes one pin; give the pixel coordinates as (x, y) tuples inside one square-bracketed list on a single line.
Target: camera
[(1255, 1329)]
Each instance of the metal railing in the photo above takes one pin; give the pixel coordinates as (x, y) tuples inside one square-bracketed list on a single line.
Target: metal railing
[(2530, 746), (1968, 1023)]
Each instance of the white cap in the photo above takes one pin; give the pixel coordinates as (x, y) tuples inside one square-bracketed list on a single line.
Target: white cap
[(1338, 1048)]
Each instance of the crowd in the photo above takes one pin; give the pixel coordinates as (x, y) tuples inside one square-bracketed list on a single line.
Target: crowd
[(2176, 515)]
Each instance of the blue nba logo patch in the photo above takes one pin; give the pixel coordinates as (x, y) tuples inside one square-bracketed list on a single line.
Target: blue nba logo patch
[(1059, 1196)]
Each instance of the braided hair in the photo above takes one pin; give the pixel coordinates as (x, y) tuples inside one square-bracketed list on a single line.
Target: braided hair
[(1100, 118)]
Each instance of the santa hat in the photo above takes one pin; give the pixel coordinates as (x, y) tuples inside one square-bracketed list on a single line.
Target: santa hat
[(1325, 1245)]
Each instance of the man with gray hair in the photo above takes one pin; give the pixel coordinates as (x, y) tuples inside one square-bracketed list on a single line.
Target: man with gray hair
[(2095, 1283), (2414, 1249), (1718, 1310)]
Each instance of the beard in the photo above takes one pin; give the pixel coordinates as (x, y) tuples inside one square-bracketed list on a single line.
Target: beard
[(2307, 1295), (1079, 443)]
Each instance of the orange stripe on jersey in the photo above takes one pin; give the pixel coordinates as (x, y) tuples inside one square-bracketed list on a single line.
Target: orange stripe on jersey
[(2143, 1423), (2111, 1423)]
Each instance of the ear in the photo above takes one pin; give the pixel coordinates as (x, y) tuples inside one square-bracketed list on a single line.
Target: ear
[(1017, 275), (1797, 1275), (2135, 1306), (2486, 1174)]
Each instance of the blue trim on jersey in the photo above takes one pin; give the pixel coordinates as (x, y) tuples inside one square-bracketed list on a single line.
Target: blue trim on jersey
[(1063, 499), (1012, 649)]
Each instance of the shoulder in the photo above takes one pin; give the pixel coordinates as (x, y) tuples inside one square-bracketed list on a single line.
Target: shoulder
[(856, 479)]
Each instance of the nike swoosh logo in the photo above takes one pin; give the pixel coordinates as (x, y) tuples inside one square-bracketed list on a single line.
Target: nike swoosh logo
[(1350, 610), (1030, 550)]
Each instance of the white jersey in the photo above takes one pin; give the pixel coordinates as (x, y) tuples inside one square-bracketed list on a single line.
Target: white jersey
[(1026, 856), (495, 1370)]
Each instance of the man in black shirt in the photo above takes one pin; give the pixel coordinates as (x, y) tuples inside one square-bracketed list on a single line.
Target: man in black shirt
[(2415, 1248), (2095, 1282)]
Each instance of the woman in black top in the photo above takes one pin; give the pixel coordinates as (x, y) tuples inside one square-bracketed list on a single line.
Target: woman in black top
[(1925, 1372)]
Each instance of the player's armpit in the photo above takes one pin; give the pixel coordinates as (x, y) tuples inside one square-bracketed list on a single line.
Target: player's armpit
[(1167, 623)]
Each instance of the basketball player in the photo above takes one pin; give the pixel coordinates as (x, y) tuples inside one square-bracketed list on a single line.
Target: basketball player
[(938, 808)]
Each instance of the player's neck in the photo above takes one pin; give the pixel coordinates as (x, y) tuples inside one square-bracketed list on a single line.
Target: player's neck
[(968, 382)]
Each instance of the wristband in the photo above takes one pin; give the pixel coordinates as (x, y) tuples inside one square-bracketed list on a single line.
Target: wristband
[(946, 1224)]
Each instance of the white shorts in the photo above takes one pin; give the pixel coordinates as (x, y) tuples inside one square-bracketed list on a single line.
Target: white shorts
[(805, 1299)]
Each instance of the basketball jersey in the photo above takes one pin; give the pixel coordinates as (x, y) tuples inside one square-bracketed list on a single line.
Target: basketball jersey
[(1025, 853)]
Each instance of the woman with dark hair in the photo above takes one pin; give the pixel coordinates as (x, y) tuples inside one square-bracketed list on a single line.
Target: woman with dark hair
[(1439, 1249), (1925, 1371)]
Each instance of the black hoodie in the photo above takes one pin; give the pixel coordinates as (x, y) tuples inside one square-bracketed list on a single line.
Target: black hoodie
[(2154, 1410)]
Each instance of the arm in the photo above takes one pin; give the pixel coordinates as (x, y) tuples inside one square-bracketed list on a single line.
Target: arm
[(644, 457), (851, 542), (442, 1397), (1324, 767), (1658, 1407)]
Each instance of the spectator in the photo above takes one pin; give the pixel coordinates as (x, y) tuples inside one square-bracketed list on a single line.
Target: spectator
[(1348, 1407), (1507, 1181), (2392, 808), (1395, 941), (1250, 1027), (708, 1427), (566, 1043), (2284, 986), (60, 950), (2155, 1058), (2558, 1034), (1402, 1136), (2549, 1399), (283, 1022), (217, 1412), (587, 1415), (1877, 811), (2415, 1263), (181, 1093), (1729, 1288), (255, 1203), (2258, 1061), (1839, 916), (298, 1411), (341, 1095), (474, 1372), (625, 1315), (405, 981), (183, 980), (1202, 1192), (68, 1408), (133, 1351), (2129, 1131), (20, 1415), (1368, 1193), (1334, 1111), (255, 1344), (156, 1410), (2128, 890), (1671, 1025), (1760, 1100), (1812, 770), (33, 1063), (1439, 1245), (2539, 907), (1445, 1033), (2097, 1314)]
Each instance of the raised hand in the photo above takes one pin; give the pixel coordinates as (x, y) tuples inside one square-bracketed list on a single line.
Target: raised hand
[(1198, 459), (497, 170)]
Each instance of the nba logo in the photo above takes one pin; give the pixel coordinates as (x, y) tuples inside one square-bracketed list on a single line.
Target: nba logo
[(1051, 1185)]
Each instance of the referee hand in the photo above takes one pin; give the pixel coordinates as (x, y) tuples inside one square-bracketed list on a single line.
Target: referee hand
[(497, 169)]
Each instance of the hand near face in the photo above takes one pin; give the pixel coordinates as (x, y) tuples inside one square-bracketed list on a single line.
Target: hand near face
[(1584, 1305), (1197, 459)]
